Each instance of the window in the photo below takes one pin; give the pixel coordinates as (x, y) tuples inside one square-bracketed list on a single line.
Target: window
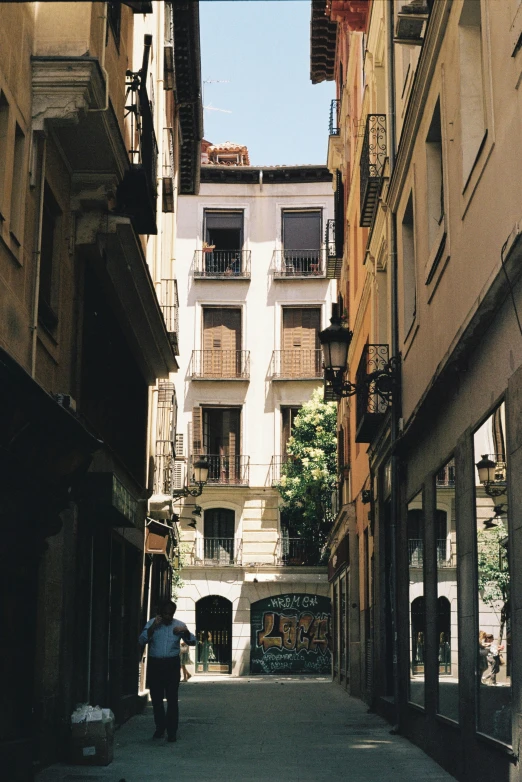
[(47, 290), (434, 175), (223, 232), (302, 241), (4, 130), (288, 416), (222, 342), (472, 109), (18, 185), (408, 267), (114, 19), (219, 535), (216, 432), (301, 350)]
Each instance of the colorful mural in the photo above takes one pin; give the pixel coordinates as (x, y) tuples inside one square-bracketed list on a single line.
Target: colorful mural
[(291, 634)]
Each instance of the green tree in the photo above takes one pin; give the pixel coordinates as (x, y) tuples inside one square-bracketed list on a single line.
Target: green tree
[(493, 568), (309, 475)]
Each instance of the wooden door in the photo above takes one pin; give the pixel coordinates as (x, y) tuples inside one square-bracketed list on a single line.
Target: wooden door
[(221, 435), (300, 342), (221, 342)]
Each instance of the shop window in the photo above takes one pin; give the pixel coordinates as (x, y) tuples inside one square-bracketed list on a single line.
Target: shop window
[(416, 599), (447, 593), (493, 644)]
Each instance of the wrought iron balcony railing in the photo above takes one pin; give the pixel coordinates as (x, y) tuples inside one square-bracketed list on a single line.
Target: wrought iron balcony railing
[(296, 364), (168, 171), (299, 263), (445, 554), (371, 406), (373, 158), (225, 470), (169, 303), (216, 552), (220, 365), (446, 476), (296, 551), (334, 250), (163, 468), (138, 190), (334, 124), (222, 264), (275, 469)]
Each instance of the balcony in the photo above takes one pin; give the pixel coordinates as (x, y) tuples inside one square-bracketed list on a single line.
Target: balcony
[(292, 264), (167, 174), (216, 552), (275, 469), (445, 554), (334, 128), (334, 250), (373, 158), (296, 364), (296, 551), (210, 264), (137, 192), (169, 303), (371, 407), (446, 477), (220, 365), (225, 470)]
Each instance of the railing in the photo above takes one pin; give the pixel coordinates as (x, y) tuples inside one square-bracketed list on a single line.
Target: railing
[(220, 364), (373, 158), (275, 469), (168, 170), (445, 554), (446, 476), (296, 364), (370, 405), (225, 470), (296, 551), (222, 264), (334, 124), (216, 552), (169, 303), (163, 468), (299, 263)]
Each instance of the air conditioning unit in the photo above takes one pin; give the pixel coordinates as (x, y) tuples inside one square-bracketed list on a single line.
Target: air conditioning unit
[(180, 447), (179, 471)]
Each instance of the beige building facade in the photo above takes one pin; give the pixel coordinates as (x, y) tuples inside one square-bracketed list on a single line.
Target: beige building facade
[(252, 273)]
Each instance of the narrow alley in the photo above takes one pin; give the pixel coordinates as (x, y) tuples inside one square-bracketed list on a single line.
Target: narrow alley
[(294, 729)]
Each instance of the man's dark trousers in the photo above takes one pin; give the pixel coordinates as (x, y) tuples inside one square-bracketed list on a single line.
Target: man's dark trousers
[(163, 677)]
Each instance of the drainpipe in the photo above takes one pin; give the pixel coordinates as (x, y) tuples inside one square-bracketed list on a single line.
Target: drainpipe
[(42, 143), (395, 411)]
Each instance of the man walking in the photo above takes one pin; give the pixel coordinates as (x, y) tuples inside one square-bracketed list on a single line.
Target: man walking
[(163, 635)]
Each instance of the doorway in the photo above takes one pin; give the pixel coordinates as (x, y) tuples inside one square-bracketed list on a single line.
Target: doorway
[(214, 634)]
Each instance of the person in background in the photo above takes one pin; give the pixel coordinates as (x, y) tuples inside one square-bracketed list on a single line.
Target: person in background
[(185, 660), (163, 634), (493, 658)]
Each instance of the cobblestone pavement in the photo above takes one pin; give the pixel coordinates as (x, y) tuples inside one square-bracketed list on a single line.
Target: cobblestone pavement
[(252, 730)]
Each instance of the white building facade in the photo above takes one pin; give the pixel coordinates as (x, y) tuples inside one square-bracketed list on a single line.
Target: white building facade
[(252, 265)]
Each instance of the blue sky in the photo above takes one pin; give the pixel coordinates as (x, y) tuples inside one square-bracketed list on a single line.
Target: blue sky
[(261, 50)]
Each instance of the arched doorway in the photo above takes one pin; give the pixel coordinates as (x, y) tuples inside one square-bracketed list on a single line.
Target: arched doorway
[(214, 634), (418, 630), (444, 634)]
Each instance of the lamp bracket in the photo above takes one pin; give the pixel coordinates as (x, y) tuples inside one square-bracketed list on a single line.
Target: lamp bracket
[(383, 382), (186, 492)]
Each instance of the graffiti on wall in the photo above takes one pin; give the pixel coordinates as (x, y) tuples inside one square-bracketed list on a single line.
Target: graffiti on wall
[(290, 634)]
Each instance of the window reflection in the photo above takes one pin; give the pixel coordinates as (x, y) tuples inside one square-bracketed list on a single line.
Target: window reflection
[(493, 580), (416, 592), (447, 596)]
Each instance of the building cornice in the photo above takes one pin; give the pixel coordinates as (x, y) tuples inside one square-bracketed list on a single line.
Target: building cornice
[(422, 84), (267, 175)]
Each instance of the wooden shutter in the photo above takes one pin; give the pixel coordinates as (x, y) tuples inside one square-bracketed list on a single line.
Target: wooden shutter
[(300, 339), (221, 340), (197, 431)]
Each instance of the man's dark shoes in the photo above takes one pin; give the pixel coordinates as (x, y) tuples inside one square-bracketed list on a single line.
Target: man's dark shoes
[(172, 737), (158, 734)]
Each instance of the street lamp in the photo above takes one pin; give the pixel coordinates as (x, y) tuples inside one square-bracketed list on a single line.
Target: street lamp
[(335, 341), (200, 477), (488, 474)]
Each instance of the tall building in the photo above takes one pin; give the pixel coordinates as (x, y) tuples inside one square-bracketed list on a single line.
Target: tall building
[(86, 90), (255, 287), (424, 547)]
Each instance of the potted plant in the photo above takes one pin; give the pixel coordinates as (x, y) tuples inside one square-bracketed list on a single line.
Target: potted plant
[(208, 248)]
